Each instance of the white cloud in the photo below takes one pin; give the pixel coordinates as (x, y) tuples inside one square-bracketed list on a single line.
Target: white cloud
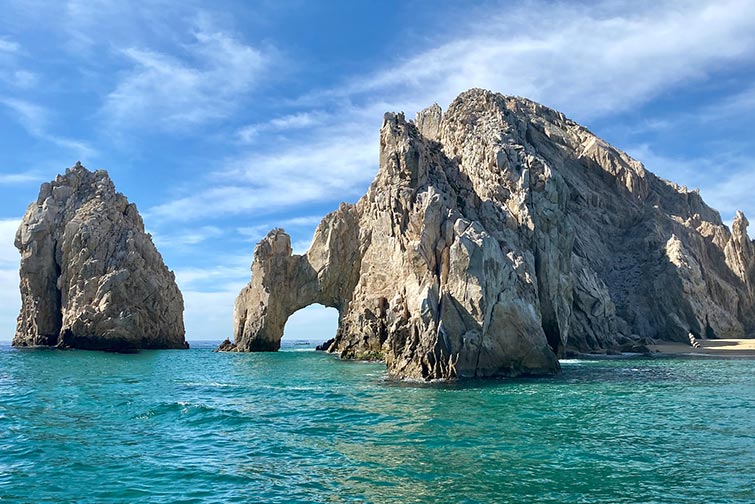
[(8, 46), (332, 167), (300, 120), (301, 246), (11, 71), (32, 117), (215, 276), (10, 302), (18, 178), (168, 91), (587, 60), (35, 120), (187, 237), (258, 231)]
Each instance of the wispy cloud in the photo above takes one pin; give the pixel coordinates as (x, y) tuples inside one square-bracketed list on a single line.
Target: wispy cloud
[(187, 237), (11, 70), (209, 295), (737, 104), (587, 60), (332, 167), (258, 231), (8, 46), (19, 178), (234, 273), (35, 120), (32, 117), (590, 61), (178, 91), (300, 120), (209, 315)]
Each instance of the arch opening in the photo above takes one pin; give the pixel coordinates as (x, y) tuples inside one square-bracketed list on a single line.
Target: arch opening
[(314, 323)]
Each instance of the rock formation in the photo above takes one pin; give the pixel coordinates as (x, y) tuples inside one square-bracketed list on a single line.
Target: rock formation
[(90, 276), (494, 237)]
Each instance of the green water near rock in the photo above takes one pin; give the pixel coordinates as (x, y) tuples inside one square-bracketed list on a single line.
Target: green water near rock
[(301, 426)]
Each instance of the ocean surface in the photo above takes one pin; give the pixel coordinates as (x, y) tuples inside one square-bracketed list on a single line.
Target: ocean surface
[(301, 426)]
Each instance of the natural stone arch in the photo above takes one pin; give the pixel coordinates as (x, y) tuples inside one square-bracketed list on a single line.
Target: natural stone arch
[(283, 283)]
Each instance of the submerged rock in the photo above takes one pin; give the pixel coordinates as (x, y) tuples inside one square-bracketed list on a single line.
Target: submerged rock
[(494, 238), (90, 276)]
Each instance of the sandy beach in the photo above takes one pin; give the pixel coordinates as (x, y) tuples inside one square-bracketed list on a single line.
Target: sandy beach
[(716, 347)]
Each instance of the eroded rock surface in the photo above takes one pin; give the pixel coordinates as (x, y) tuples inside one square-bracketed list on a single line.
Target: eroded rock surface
[(494, 237), (90, 276)]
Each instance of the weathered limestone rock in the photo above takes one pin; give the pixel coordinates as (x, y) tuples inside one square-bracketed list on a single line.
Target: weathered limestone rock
[(495, 237), (90, 276)]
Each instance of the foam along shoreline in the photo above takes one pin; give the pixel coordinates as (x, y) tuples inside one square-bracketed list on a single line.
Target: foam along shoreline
[(744, 348)]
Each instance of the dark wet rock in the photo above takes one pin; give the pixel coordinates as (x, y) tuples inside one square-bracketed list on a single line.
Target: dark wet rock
[(325, 345)]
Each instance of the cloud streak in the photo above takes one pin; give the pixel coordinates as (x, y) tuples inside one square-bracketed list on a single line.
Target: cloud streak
[(591, 61), (35, 120), (588, 60), (304, 174), (168, 91)]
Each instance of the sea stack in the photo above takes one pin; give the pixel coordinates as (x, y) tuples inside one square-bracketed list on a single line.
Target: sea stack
[(497, 236), (91, 277)]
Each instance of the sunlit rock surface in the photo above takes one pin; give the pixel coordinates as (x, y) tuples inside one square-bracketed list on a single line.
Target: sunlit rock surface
[(90, 276), (494, 237)]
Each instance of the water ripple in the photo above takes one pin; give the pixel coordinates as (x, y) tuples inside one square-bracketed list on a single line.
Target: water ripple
[(194, 426)]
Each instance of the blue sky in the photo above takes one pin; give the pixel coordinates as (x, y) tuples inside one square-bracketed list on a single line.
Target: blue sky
[(223, 121)]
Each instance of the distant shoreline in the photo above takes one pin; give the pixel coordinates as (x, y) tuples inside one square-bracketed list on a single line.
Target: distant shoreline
[(740, 348), (721, 348), (712, 348)]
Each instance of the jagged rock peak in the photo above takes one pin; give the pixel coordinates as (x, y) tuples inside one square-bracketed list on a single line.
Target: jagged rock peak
[(497, 236), (428, 121), (90, 275)]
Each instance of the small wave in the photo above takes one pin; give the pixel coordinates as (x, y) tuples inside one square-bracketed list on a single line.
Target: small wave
[(210, 384)]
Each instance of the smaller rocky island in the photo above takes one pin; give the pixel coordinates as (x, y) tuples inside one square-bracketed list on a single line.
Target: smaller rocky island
[(91, 278)]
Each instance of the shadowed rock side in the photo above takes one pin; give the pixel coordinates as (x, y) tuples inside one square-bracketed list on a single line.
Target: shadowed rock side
[(496, 236), (90, 276)]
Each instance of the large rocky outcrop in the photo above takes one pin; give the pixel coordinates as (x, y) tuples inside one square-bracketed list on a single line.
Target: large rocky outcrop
[(494, 237), (90, 276)]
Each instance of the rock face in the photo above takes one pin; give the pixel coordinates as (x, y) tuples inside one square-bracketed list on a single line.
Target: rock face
[(90, 276), (498, 235)]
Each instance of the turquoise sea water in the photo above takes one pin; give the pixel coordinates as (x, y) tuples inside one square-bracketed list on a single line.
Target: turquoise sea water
[(300, 426)]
